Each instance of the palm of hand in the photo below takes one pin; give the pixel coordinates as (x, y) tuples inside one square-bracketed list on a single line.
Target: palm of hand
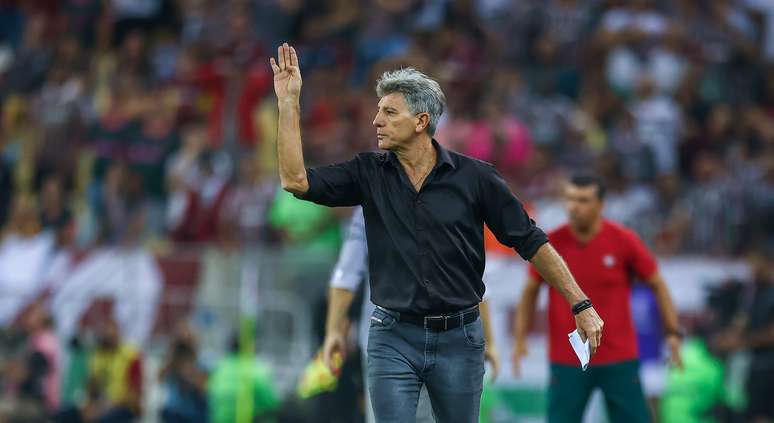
[(287, 83), (287, 74)]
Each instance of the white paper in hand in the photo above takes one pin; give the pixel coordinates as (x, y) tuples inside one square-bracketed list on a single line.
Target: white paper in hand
[(581, 348)]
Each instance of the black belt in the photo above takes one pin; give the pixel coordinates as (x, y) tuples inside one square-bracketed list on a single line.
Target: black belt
[(437, 323)]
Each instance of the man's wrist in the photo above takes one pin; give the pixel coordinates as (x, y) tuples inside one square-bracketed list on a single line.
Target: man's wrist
[(675, 332), (289, 102), (581, 305), (338, 329)]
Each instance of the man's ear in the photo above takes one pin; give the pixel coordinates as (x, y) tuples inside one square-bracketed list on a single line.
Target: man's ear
[(423, 121)]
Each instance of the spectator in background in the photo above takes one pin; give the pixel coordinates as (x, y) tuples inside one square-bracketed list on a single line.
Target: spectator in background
[(111, 134), (182, 173), (31, 61), (704, 210), (566, 23), (697, 393), (627, 203), (148, 150), (205, 199), (184, 380), (758, 225), (22, 396), (59, 109), (498, 138), (65, 83), (759, 338), (754, 330), (132, 57), (121, 210), (248, 203), (54, 211), (239, 377), (637, 161), (24, 255), (22, 143), (548, 114), (658, 124), (37, 325), (150, 146), (79, 17), (306, 227), (114, 386), (130, 16)]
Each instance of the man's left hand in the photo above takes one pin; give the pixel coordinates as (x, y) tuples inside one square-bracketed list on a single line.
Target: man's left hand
[(590, 327), (674, 342), (490, 355)]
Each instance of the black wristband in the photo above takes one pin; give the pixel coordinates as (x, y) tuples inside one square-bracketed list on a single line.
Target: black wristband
[(583, 305), (676, 332)]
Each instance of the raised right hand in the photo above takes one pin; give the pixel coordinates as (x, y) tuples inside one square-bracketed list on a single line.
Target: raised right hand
[(333, 345), (287, 74)]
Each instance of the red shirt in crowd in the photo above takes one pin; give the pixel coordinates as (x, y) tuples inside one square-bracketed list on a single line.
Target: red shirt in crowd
[(605, 268)]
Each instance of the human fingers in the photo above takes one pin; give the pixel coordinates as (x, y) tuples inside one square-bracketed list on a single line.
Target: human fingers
[(293, 57), (281, 57), (274, 67)]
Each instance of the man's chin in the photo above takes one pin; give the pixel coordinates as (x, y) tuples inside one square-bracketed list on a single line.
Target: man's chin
[(383, 145)]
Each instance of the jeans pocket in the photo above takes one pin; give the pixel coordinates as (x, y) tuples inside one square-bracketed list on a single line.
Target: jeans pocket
[(474, 333), (380, 319)]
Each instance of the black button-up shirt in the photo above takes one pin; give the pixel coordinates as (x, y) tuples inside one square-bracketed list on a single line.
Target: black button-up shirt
[(426, 248)]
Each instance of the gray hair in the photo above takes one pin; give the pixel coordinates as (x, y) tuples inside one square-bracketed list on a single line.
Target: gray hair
[(422, 93)]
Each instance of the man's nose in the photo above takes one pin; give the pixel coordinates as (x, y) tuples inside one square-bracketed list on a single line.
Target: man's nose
[(378, 122)]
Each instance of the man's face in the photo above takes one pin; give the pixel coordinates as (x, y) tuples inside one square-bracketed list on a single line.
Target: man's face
[(394, 122), (583, 205), (108, 335)]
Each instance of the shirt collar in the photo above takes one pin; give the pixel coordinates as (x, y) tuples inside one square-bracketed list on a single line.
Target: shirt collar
[(443, 157)]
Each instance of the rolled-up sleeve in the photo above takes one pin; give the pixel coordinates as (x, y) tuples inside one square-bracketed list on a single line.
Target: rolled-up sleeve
[(352, 266), (506, 217), (336, 185)]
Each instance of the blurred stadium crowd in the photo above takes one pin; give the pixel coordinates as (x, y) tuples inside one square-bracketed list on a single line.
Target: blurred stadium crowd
[(150, 124)]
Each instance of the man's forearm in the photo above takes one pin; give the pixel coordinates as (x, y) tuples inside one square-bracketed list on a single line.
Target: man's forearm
[(665, 305), (525, 311), (550, 265), (338, 304), (290, 156)]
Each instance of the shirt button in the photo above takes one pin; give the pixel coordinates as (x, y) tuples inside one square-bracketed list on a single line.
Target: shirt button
[(426, 282)]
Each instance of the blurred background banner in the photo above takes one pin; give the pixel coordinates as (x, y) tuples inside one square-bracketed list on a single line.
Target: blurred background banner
[(148, 257)]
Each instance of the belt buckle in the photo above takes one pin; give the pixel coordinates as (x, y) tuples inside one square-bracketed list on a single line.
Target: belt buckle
[(445, 321)]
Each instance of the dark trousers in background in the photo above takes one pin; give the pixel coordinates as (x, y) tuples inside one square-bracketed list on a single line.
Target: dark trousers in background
[(402, 357), (570, 388)]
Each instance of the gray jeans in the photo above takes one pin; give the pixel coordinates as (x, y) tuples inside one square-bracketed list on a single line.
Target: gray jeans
[(403, 357), (424, 409)]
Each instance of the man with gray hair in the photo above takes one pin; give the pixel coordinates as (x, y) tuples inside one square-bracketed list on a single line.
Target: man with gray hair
[(425, 209)]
